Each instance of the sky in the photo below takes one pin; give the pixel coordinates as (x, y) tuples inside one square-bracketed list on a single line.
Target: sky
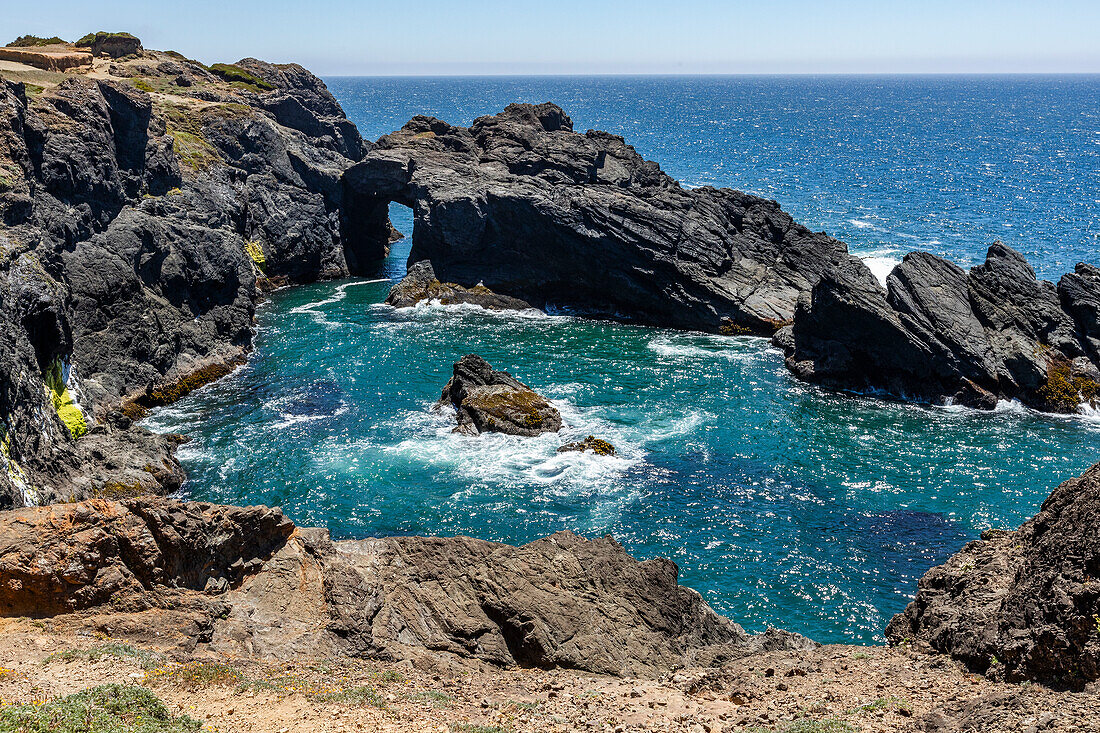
[(430, 37)]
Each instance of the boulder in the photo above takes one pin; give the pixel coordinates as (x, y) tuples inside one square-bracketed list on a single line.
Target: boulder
[(1023, 604), (522, 204), (940, 334), (71, 557), (115, 45), (486, 400), (591, 443), (420, 284)]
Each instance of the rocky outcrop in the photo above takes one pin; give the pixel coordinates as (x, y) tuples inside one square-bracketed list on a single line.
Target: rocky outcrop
[(139, 231), (50, 58), (115, 45), (486, 400), (531, 209), (1022, 604), (939, 333), (71, 557), (597, 445), (420, 285), (562, 601)]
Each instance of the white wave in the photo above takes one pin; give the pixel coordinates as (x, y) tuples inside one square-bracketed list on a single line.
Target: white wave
[(880, 266), (691, 346), (861, 224), (339, 294)]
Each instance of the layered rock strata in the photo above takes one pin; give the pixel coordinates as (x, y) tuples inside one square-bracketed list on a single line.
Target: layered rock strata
[(939, 333), (522, 204), (265, 588), (1023, 604), (141, 218)]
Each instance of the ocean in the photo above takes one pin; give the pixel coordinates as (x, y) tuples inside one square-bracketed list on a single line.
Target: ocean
[(784, 505)]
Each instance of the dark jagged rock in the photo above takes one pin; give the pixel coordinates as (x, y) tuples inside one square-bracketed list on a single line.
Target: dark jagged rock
[(938, 333), (273, 590), (488, 401), (596, 445), (521, 203), (1022, 604), (139, 232), (420, 284)]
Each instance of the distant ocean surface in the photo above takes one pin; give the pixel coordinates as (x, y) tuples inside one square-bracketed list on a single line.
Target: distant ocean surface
[(782, 504)]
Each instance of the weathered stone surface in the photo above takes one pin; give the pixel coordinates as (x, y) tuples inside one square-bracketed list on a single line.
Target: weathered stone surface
[(561, 601), (70, 557), (1022, 604), (50, 59), (486, 400), (597, 445), (115, 45), (937, 332), (420, 284), (139, 232), (521, 203)]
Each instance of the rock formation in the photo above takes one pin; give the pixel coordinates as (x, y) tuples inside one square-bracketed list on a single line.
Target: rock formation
[(420, 284), (1022, 604), (562, 601), (597, 445), (136, 230), (531, 209), (938, 333), (486, 400)]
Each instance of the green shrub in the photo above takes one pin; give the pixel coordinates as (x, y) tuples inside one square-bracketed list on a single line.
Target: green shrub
[(101, 36), (105, 709), (353, 696), (143, 86), (146, 659), (25, 41), (233, 73)]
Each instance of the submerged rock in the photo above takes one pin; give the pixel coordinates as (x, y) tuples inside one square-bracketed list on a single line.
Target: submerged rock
[(420, 284), (1022, 604), (486, 400), (522, 203), (939, 333), (592, 443)]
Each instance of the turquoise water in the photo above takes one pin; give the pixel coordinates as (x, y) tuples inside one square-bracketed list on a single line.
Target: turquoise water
[(782, 504)]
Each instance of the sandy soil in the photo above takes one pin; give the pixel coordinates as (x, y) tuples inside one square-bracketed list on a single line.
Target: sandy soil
[(863, 688)]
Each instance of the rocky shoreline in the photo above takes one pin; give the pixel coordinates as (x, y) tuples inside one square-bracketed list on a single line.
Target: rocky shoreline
[(149, 200)]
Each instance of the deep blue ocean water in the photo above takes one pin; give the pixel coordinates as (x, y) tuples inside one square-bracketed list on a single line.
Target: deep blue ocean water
[(782, 504)]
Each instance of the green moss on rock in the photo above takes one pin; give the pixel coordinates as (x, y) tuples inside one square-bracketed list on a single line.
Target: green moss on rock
[(233, 73), (30, 41)]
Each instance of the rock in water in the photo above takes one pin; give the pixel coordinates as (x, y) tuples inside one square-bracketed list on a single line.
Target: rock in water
[(1022, 604), (939, 333), (521, 203), (486, 400), (421, 284), (592, 443)]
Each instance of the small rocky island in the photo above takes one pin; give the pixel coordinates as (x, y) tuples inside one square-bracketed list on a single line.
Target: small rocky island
[(487, 400)]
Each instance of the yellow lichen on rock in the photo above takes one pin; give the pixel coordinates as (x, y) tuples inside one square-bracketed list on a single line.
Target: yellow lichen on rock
[(63, 401), (255, 251)]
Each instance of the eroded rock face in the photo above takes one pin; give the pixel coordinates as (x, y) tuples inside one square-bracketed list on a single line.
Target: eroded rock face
[(137, 233), (271, 590), (71, 557), (420, 284), (486, 400), (938, 333), (521, 203), (1021, 604)]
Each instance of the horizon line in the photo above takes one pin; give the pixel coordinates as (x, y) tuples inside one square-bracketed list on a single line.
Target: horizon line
[(706, 73)]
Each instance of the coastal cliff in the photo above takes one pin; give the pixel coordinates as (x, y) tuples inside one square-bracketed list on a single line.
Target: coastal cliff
[(146, 204)]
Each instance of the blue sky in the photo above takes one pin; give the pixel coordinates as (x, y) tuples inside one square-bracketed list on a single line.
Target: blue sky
[(575, 37)]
